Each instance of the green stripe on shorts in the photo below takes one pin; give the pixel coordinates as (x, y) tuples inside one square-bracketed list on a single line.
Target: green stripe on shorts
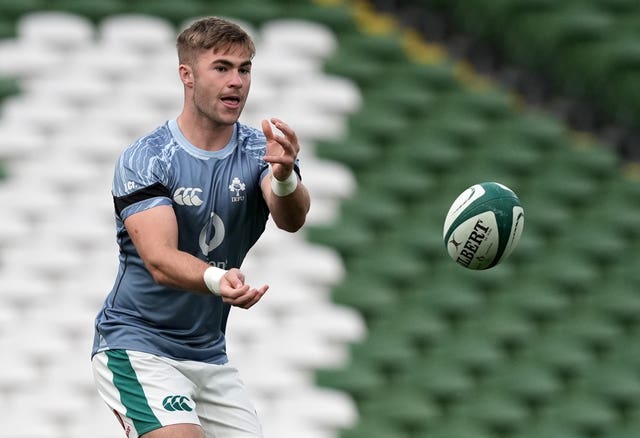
[(131, 393)]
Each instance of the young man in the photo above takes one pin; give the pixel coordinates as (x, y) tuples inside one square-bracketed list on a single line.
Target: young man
[(191, 198)]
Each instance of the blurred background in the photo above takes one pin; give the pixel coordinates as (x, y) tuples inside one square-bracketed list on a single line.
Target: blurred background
[(400, 106)]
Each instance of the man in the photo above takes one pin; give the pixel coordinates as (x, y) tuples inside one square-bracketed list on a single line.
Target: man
[(191, 198)]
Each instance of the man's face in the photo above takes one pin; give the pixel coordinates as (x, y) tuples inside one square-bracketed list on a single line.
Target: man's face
[(221, 84)]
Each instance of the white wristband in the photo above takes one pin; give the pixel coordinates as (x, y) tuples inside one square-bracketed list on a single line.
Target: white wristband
[(286, 187), (212, 277)]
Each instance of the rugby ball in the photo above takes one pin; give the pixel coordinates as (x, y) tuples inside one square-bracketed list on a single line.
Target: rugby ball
[(483, 225)]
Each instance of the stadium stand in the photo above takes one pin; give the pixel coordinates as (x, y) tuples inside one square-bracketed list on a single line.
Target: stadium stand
[(389, 338), (78, 85)]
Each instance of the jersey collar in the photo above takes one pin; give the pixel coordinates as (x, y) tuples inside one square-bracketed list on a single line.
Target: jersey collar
[(196, 151)]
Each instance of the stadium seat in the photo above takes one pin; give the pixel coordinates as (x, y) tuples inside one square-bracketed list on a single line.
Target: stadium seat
[(441, 380), (55, 30), (95, 11), (354, 150), (454, 298), (326, 409), (422, 327), (358, 377), (374, 428), (301, 37), (562, 353), (585, 414), (618, 299), (256, 12), (495, 410), (434, 153), (528, 382), (175, 13), (403, 407), (591, 328), (366, 293), (455, 426), (13, 9), (388, 351), (536, 299), (140, 33), (502, 327), (549, 429), (362, 69), (615, 383), (472, 353)]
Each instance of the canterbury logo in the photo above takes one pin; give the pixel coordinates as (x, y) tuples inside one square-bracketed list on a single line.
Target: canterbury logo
[(177, 403), (187, 196)]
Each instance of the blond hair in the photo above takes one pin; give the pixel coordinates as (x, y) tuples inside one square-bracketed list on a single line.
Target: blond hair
[(211, 33)]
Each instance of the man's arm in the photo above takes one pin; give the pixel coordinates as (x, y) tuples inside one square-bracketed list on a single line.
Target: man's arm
[(287, 198), (154, 233)]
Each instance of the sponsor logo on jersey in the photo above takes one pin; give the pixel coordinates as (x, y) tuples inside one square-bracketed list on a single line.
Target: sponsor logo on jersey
[(216, 226), (187, 196), (237, 187), (174, 403)]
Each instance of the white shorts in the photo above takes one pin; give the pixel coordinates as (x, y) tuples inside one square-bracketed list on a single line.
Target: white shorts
[(147, 392)]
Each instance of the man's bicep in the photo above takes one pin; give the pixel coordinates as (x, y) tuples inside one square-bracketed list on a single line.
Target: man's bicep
[(153, 230)]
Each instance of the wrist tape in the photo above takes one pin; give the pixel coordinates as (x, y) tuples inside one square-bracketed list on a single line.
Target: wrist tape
[(286, 187), (212, 277)]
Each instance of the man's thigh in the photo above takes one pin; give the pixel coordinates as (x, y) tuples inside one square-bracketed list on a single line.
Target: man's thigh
[(162, 398), (144, 392)]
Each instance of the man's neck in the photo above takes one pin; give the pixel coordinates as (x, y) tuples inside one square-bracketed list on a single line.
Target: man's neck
[(203, 134)]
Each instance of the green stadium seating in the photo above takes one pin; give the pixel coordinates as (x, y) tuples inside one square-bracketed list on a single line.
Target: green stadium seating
[(495, 410), (562, 353), (538, 347), (374, 428), (527, 381), (403, 407), (440, 379), (13, 9), (358, 378), (549, 429), (458, 428), (477, 355), (617, 384), (95, 11), (585, 414)]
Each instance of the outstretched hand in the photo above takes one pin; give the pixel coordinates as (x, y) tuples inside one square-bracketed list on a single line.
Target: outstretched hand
[(234, 291), (282, 150)]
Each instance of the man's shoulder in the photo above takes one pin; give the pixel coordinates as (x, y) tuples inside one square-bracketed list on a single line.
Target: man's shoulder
[(156, 140), (250, 137)]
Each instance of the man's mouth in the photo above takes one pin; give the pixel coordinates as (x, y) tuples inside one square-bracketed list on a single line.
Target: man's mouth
[(231, 101)]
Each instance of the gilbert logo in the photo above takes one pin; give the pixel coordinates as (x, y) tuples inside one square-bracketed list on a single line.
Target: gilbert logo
[(236, 187), (174, 403), (187, 196)]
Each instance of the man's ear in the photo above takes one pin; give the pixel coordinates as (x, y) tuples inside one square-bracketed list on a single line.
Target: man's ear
[(186, 75)]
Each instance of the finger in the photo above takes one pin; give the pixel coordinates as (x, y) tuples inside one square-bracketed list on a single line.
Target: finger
[(288, 151), (235, 278), (285, 129), (266, 129), (256, 297), (232, 295), (246, 300)]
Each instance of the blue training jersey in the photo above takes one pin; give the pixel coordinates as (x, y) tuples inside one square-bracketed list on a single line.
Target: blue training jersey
[(221, 213)]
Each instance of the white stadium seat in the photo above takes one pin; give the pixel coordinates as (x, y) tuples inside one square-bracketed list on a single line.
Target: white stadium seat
[(56, 30)]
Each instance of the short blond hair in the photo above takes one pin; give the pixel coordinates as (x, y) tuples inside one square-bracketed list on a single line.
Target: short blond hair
[(211, 33)]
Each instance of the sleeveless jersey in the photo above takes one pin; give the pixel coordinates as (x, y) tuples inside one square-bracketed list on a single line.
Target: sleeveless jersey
[(220, 213)]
